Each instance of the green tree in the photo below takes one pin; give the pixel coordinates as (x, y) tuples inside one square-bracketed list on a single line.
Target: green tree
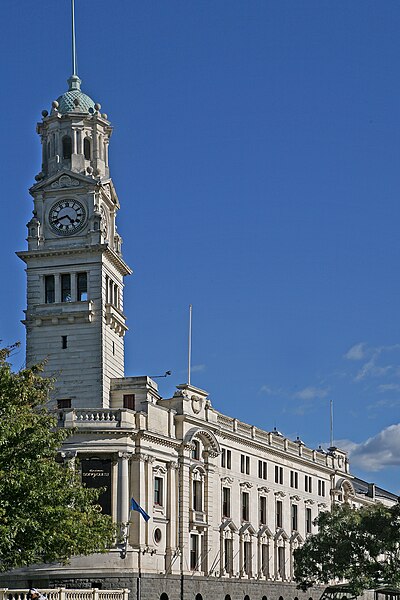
[(358, 545), (46, 515)]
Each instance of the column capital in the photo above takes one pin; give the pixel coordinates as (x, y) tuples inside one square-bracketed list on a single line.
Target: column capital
[(125, 455)]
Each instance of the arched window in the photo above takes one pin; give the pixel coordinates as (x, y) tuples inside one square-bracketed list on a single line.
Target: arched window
[(100, 146), (264, 598), (247, 597), (164, 596), (67, 146), (199, 597), (227, 597), (86, 148)]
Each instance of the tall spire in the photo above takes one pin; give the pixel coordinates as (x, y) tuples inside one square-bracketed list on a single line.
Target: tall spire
[(74, 82)]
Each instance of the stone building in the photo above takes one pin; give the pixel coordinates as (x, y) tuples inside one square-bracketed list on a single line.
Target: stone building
[(228, 502)]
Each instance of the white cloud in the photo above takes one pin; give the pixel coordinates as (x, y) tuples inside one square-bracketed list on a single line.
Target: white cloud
[(376, 453), (266, 389), (197, 368), (311, 392), (389, 387), (356, 352)]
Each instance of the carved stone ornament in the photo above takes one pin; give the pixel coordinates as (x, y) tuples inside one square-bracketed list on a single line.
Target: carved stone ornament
[(159, 469), (263, 489), (295, 498), (309, 501), (196, 404), (65, 181), (246, 484), (227, 480), (280, 494)]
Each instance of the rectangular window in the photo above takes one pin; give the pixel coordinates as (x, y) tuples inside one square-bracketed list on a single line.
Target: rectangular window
[(321, 487), (129, 401), (247, 558), (49, 289), (308, 520), (226, 502), (81, 287), (264, 560), (197, 495), (196, 450), (64, 342), (294, 479), (66, 287), (228, 555), (279, 514), (281, 562), (263, 510), (245, 506), (278, 474), (229, 459), (294, 517), (307, 483), (223, 458), (158, 491), (262, 469), (245, 464), (64, 403), (194, 551)]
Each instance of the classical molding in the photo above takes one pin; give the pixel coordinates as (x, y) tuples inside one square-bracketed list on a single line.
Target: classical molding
[(264, 489)]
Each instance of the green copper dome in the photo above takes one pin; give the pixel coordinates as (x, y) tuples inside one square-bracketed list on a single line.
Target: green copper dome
[(75, 99)]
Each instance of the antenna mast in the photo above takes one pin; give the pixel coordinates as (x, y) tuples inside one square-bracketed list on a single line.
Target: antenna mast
[(190, 342), (331, 423), (73, 38)]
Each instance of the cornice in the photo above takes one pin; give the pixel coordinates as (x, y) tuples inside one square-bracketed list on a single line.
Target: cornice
[(105, 249)]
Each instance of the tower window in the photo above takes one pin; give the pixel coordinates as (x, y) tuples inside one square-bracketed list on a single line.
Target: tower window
[(49, 289), (66, 287), (129, 401), (67, 146), (82, 287), (64, 342), (86, 148)]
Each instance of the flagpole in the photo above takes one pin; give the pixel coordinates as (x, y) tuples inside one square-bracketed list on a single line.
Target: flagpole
[(331, 423), (190, 343)]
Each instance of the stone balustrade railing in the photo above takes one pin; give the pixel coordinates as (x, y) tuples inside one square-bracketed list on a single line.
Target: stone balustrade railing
[(64, 594)]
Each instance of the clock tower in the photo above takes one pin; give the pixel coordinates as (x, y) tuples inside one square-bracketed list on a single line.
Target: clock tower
[(74, 317)]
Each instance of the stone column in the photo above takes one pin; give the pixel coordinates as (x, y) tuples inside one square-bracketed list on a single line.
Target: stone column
[(171, 495), (124, 499), (139, 493), (114, 489), (209, 548), (57, 287), (184, 496)]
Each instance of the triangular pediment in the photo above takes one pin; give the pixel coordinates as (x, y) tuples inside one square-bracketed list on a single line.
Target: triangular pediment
[(228, 524), (63, 180)]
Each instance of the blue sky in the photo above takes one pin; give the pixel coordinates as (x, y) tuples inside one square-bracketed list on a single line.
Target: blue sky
[(256, 156)]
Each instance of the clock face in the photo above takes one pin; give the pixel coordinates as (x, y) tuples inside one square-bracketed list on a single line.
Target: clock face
[(67, 217)]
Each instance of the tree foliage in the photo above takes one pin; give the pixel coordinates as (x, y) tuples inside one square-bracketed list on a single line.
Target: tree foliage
[(358, 545), (46, 515)]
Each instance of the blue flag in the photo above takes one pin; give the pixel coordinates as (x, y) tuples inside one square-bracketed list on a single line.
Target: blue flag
[(135, 506)]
